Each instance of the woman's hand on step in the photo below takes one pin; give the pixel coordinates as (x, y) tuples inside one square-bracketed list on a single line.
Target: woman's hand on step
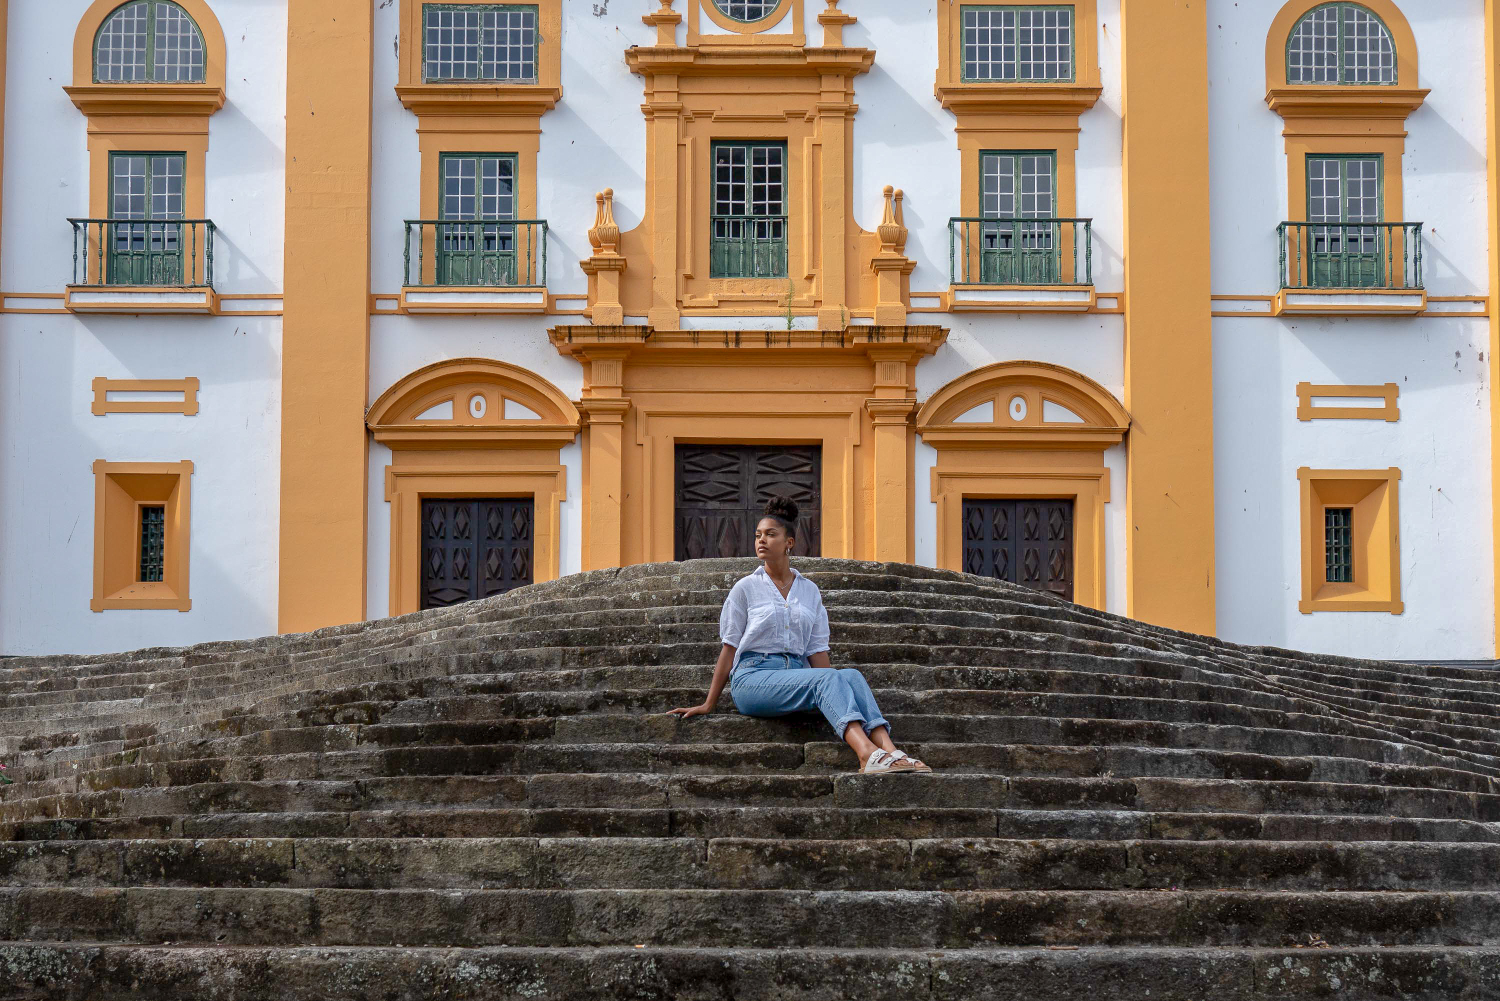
[(687, 711)]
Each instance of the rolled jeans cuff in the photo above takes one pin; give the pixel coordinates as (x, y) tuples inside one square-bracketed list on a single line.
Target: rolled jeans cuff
[(843, 724)]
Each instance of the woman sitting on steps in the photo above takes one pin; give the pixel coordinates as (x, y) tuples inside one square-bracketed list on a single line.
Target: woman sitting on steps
[(776, 616)]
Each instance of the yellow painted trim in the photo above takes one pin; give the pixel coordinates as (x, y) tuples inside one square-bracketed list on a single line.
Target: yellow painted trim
[(1492, 215), (1168, 328), (1307, 392), (1085, 52), (120, 488), (647, 390), (187, 406), (413, 476), (1373, 494), (1388, 302), (125, 299), (1293, 11), (394, 417), (752, 32), (214, 50), (325, 330), (1026, 456)]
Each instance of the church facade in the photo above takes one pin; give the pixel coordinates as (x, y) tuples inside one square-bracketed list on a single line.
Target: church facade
[(324, 310)]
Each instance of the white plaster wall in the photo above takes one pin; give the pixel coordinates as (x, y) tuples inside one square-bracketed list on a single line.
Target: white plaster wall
[(49, 438), (1442, 441)]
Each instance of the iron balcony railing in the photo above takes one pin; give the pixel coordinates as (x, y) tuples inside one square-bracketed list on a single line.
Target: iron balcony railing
[(479, 252), (171, 252), (748, 247), (1020, 251), (1356, 255)]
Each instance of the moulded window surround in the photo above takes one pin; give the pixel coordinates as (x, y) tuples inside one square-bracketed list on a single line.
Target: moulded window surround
[(1351, 558), (482, 43), (1003, 43), (747, 22), (141, 535), (1341, 43), (1307, 410), (149, 41)]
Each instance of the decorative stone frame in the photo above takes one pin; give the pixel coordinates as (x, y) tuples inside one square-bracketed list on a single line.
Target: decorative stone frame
[(148, 117), (1011, 457), (747, 32), (482, 116), (1346, 119), (120, 490), (470, 454), (1389, 392), (1016, 115), (1374, 496), (187, 406)]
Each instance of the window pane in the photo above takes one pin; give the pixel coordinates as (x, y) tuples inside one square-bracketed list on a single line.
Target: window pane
[(1369, 53), (128, 184), (179, 46), (479, 43), (1312, 53), (120, 54), (747, 10), (749, 225), (1018, 43), (153, 543), (1340, 43)]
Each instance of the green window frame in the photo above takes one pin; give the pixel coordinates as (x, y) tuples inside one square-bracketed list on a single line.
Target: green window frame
[(1341, 43), (147, 201), (1338, 545), (748, 228), (1345, 202), (1009, 43), (149, 41), (1015, 186), (490, 43), (477, 195)]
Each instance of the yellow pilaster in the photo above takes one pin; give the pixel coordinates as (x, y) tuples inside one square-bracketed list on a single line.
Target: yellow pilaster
[(326, 324), (603, 407), (835, 201), (664, 196), (1168, 328), (1492, 153)]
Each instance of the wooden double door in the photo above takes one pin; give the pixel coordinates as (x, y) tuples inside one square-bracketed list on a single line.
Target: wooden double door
[(1025, 541), (721, 491), (475, 547)]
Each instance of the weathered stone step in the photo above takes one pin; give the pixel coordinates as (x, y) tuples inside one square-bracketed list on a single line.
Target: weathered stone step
[(647, 790), (747, 863), (99, 972), (813, 757), (932, 919)]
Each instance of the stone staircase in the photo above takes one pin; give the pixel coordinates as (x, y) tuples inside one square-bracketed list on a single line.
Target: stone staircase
[(486, 802)]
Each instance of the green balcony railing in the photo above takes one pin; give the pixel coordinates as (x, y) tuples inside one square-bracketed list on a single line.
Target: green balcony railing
[(748, 247), (1020, 251), (177, 253), (483, 252), (1373, 255)]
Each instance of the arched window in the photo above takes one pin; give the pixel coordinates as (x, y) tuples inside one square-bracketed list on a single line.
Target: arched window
[(1340, 43), (149, 41), (748, 11)]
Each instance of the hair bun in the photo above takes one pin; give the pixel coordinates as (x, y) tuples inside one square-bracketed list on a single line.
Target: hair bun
[(783, 507)]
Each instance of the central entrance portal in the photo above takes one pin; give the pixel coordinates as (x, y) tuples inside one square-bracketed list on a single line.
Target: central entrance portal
[(721, 491)]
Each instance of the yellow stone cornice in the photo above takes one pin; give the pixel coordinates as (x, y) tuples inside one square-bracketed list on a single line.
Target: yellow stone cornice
[(580, 341), (1064, 99), (478, 99), (746, 60), (153, 100)]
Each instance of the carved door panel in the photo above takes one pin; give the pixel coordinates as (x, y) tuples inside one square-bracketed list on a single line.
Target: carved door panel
[(475, 547), (722, 490), (1023, 541)]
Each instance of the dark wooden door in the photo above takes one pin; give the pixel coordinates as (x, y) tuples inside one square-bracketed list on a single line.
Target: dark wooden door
[(722, 490), (1026, 542), (474, 547)]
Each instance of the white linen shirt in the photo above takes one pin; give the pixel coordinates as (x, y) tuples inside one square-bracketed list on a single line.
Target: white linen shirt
[(757, 619)]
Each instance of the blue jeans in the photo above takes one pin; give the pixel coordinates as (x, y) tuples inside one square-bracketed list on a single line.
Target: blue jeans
[(774, 684)]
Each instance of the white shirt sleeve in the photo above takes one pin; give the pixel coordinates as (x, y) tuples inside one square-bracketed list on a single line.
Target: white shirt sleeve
[(817, 640), (733, 618)]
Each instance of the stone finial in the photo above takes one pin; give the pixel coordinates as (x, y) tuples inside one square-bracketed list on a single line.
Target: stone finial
[(892, 229), (833, 21), (665, 21), (604, 237)]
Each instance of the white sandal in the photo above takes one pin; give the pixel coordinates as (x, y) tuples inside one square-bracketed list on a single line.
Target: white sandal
[(885, 762)]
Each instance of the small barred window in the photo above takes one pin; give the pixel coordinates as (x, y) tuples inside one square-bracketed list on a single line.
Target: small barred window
[(1338, 545), (149, 41), (1027, 44), (747, 10), (1340, 43), (479, 42), (153, 542)]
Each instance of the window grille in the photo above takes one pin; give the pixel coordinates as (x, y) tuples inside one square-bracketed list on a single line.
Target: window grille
[(749, 223), (149, 41), (748, 10), (153, 542), (1340, 43), (1018, 43), (1338, 545), (480, 43)]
